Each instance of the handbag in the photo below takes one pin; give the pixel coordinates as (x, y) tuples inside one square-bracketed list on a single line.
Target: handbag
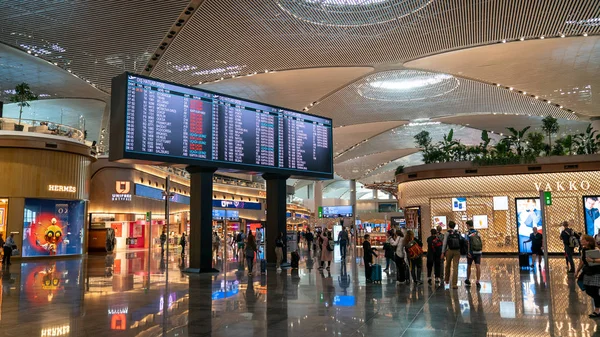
[(580, 282)]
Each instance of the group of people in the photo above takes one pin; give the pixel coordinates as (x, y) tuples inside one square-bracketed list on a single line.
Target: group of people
[(406, 252), (163, 242)]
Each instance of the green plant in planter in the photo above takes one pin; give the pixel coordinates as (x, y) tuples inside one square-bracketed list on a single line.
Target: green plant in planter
[(517, 137), (22, 97), (399, 169), (550, 126), (587, 142)]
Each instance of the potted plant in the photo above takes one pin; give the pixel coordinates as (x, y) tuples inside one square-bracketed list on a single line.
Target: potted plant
[(22, 97)]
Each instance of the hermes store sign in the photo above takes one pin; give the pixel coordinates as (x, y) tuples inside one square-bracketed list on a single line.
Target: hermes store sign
[(558, 186), (62, 188)]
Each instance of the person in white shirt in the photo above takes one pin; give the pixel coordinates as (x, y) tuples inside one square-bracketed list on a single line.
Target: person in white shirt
[(8, 248), (399, 256)]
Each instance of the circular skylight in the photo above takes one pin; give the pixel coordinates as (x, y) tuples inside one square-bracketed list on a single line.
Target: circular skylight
[(406, 85), (351, 13)]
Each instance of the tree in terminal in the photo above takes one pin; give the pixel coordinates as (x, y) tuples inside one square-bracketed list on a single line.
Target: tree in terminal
[(550, 126), (22, 96)]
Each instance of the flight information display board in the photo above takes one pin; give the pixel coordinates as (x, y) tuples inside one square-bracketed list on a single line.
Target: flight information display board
[(154, 121)]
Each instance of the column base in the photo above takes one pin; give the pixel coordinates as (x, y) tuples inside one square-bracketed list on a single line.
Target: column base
[(201, 270)]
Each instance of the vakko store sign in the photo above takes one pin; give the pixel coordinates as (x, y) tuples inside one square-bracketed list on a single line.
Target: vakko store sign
[(563, 186)]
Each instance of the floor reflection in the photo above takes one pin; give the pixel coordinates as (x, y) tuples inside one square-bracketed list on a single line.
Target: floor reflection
[(127, 294)]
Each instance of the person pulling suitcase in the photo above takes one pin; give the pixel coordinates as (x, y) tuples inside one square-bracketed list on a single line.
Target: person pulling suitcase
[(368, 253)]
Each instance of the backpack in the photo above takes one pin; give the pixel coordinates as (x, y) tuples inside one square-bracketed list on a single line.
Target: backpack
[(414, 250), (330, 245), (239, 237), (454, 240), (476, 243), (573, 240), (437, 244)]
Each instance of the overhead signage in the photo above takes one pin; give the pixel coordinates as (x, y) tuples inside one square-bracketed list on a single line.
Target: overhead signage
[(337, 211), (161, 122), (398, 221), (56, 331), (158, 194), (62, 188), (122, 189), (221, 214), (237, 204)]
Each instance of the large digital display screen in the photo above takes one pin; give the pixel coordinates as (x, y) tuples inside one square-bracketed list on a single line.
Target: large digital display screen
[(591, 213), (154, 121), (337, 211), (53, 227), (529, 215)]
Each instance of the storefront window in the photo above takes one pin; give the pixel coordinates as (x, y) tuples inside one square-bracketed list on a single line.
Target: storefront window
[(3, 214), (53, 227)]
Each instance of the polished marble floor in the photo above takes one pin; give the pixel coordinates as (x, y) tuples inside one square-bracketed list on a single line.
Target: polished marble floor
[(113, 296)]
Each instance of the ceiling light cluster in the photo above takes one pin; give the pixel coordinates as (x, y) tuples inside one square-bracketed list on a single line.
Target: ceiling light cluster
[(536, 98), (406, 85), (351, 13)]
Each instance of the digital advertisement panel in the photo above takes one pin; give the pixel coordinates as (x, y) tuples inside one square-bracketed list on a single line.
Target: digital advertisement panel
[(529, 215), (459, 204), (53, 227), (591, 212), (440, 220), (480, 221)]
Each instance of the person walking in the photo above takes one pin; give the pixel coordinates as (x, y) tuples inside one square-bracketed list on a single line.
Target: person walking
[(183, 243), (474, 253), (388, 249), (536, 240), (216, 242), (279, 244), (241, 239), (309, 240), (590, 274), (368, 253), (434, 256), (326, 250), (399, 256), (451, 252), (414, 253), (250, 250), (343, 239), (8, 248), (163, 240), (570, 240)]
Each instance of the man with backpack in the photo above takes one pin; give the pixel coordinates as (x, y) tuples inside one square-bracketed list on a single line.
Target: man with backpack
[(474, 252), (570, 240), (451, 252), (434, 256)]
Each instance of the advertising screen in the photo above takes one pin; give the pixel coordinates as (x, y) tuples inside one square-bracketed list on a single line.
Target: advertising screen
[(500, 203), (53, 227), (387, 207), (529, 215), (591, 212), (153, 121), (440, 220), (459, 204), (480, 221), (337, 211)]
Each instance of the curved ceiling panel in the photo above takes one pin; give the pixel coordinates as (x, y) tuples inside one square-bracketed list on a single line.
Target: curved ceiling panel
[(469, 97), (387, 171), (562, 70), (44, 79), (64, 111), (499, 123), (348, 136), (97, 40), (293, 89), (258, 35), (403, 138), (356, 168)]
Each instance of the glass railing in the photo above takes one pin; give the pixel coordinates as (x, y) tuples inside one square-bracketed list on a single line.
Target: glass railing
[(218, 179), (42, 127)]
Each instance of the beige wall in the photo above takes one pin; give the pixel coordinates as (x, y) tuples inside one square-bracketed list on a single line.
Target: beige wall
[(434, 196)]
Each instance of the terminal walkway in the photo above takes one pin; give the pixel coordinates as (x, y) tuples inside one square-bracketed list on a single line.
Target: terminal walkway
[(113, 296)]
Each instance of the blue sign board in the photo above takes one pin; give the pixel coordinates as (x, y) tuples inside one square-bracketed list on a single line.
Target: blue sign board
[(237, 204), (220, 214), (157, 194)]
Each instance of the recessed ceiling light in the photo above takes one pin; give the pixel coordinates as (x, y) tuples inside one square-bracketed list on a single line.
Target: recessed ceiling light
[(585, 34), (504, 41), (542, 37), (522, 39), (562, 35)]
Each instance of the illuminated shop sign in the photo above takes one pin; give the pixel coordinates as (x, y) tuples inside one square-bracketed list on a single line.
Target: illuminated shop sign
[(122, 189), (237, 204), (157, 194), (558, 186), (220, 214), (61, 330), (62, 188)]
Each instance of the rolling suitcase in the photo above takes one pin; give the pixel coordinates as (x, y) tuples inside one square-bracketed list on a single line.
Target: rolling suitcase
[(295, 260), (523, 259), (263, 266), (376, 273)]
